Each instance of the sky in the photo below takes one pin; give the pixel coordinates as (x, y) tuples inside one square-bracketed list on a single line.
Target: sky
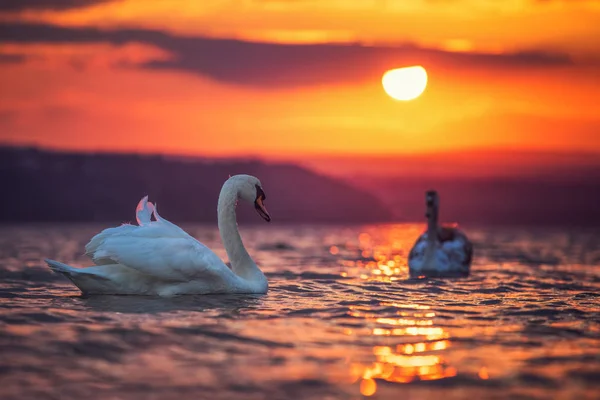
[(301, 79)]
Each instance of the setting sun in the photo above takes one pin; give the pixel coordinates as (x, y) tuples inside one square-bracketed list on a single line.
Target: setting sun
[(405, 83)]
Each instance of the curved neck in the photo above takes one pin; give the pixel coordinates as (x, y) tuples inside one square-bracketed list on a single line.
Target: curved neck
[(241, 262)]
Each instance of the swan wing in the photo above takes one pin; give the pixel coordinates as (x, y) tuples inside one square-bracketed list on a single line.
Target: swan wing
[(143, 211), (157, 248), (418, 249), (99, 239), (459, 249), (143, 215)]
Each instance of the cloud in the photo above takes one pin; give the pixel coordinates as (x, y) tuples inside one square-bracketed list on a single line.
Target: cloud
[(22, 5), (269, 64), (12, 58), (7, 116)]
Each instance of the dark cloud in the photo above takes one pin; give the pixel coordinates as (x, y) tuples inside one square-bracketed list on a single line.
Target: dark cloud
[(268, 64), (12, 58), (8, 116), (21, 5)]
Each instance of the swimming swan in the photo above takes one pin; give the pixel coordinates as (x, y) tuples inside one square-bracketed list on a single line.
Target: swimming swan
[(159, 258), (441, 250)]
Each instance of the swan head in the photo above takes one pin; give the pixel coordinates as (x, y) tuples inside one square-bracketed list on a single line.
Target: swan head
[(432, 202), (250, 189)]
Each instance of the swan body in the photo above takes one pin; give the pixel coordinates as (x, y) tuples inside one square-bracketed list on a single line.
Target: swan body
[(157, 257), (441, 250)]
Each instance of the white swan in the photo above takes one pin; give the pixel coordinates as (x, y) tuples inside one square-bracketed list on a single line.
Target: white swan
[(159, 258), (441, 250)]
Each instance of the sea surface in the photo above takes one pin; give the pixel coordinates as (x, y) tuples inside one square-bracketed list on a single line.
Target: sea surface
[(342, 320)]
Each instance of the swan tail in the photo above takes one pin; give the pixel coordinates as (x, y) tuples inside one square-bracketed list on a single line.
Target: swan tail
[(88, 280), (105, 279), (60, 267)]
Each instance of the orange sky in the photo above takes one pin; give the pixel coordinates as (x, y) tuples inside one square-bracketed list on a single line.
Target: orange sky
[(139, 75)]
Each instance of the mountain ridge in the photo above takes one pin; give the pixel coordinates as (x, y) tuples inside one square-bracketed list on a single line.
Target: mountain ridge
[(50, 186)]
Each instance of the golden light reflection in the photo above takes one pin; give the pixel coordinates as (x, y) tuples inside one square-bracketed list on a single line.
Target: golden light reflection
[(429, 333), (368, 387), (417, 356), (409, 306), (402, 321), (380, 255)]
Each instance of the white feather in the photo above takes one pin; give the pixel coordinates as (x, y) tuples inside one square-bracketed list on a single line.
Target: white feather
[(448, 256), (160, 258)]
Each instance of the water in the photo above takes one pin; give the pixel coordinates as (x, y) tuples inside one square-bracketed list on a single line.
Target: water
[(342, 320)]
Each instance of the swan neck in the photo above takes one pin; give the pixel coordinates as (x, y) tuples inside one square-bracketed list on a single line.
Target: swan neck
[(241, 262), (432, 224), (432, 236)]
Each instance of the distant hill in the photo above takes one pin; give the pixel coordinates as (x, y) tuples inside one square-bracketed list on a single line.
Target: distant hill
[(50, 186), (39, 186), (542, 201)]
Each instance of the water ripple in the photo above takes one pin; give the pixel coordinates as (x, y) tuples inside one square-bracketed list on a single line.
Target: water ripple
[(343, 319)]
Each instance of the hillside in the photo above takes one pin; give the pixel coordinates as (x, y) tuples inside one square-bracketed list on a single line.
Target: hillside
[(542, 201), (50, 186)]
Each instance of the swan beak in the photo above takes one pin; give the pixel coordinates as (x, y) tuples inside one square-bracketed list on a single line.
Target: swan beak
[(260, 208)]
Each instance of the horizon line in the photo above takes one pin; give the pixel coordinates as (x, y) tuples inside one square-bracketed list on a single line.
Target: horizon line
[(312, 155)]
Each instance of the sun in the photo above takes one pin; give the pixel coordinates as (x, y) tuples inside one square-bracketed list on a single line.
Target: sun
[(405, 83)]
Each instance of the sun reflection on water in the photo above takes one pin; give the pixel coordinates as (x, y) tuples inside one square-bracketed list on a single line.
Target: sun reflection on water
[(520, 326), (408, 346), (412, 350), (379, 255)]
